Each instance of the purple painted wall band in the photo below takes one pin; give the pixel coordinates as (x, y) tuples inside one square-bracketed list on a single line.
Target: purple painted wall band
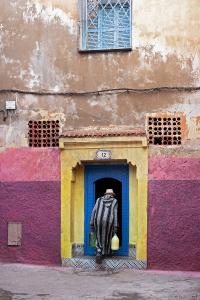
[(37, 206), (173, 225)]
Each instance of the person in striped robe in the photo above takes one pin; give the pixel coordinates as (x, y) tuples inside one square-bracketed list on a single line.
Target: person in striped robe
[(104, 222)]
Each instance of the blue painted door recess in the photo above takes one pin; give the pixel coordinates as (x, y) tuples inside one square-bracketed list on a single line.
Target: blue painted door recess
[(98, 178)]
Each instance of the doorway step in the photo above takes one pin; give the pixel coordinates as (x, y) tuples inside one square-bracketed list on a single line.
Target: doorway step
[(113, 263)]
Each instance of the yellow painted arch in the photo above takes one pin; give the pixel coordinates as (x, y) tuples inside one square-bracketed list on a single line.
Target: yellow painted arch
[(76, 151)]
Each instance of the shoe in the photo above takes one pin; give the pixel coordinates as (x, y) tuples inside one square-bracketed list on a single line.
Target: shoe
[(98, 259)]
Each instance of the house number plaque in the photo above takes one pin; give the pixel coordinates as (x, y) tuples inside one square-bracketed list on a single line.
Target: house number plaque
[(103, 154)]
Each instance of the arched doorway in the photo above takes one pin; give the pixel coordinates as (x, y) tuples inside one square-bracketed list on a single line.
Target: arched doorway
[(98, 178), (110, 183)]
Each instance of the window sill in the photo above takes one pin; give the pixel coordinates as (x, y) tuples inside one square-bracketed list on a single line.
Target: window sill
[(104, 50)]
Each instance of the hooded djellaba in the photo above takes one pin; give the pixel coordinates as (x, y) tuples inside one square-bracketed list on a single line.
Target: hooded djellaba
[(104, 222)]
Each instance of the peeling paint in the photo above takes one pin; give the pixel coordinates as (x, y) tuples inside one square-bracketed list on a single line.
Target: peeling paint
[(36, 11), (194, 127), (178, 23), (40, 53)]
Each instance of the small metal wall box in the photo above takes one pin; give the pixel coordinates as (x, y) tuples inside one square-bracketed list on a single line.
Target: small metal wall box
[(10, 105)]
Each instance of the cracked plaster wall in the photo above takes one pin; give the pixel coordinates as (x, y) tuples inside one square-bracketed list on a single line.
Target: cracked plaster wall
[(39, 52)]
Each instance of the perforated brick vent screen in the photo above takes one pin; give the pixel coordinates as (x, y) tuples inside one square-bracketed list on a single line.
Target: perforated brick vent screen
[(43, 133), (164, 131)]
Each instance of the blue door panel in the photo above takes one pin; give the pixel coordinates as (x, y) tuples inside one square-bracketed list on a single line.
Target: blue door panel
[(92, 174)]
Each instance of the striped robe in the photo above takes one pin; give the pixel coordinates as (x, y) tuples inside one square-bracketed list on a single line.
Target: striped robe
[(104, 219)]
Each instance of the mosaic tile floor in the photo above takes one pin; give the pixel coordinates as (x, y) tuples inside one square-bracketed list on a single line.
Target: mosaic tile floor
[(107, 264), (78, 251)]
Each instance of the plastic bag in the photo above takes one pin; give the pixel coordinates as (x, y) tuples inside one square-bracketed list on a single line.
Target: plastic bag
[(92, 239)]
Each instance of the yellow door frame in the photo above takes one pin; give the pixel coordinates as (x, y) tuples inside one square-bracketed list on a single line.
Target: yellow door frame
[(75, 151)]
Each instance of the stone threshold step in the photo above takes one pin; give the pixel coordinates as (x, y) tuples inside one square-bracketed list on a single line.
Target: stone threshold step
[(107, 263)]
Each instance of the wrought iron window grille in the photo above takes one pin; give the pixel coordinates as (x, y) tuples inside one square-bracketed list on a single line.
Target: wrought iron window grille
[(105, 25)]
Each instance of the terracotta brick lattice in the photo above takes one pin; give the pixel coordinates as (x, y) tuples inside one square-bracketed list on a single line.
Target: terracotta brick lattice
[(43, 133), (164, 130)]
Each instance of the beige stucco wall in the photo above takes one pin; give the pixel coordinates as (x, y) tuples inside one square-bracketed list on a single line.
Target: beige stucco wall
[(39, 43)]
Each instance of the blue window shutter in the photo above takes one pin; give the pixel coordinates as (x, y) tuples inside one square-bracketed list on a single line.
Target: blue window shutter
[(93, 32), (124, 30), (108, 25), (107, 21)]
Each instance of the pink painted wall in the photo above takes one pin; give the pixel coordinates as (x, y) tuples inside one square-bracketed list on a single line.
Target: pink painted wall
[(174, 213), (30, 164), (30, 194), (173, 168)]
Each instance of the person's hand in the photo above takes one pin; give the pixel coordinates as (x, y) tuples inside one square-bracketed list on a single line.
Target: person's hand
[(91, 228), (115, 230)]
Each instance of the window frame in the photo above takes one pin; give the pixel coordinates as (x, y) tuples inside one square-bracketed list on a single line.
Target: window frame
[(83, 32)]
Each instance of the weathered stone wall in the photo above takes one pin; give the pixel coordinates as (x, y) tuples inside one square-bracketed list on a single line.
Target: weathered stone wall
[(39, 43), (39, 47)]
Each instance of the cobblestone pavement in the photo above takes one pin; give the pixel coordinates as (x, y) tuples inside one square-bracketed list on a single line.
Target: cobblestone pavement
[(24, 282)]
